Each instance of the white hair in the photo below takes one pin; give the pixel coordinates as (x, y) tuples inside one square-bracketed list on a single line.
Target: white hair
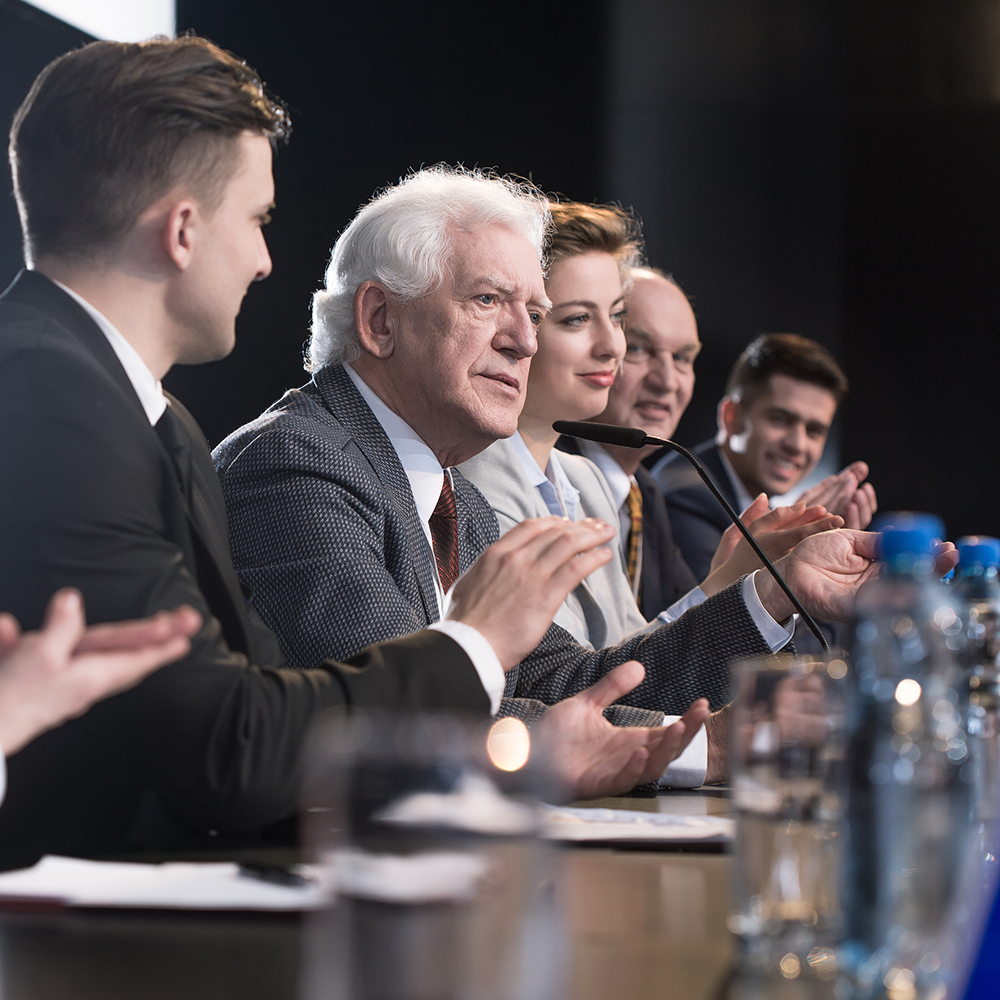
[(402, 238)]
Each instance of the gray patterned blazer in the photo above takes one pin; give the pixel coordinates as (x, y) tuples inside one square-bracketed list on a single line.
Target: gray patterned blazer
[(324, 528)]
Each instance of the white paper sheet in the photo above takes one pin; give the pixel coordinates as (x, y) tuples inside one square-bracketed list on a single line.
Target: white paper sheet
[(175, 885), (580, 825)]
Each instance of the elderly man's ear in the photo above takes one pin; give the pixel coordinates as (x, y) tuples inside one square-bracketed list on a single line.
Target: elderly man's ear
[(371, 319)]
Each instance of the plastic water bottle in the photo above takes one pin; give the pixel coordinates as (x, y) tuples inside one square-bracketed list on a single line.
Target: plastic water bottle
[(977, 592), (909, 775)]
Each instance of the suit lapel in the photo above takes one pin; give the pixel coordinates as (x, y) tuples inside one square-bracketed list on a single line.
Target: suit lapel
[(712, 461), (343, 400), (205, 507)]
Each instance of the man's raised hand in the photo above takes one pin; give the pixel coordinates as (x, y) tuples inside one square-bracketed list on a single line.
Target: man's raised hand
[(589, 757), (846, 493), (516, 586), (776, 531), (824, 572)]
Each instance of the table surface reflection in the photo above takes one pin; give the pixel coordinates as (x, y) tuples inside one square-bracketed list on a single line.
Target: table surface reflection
[(642, 924)]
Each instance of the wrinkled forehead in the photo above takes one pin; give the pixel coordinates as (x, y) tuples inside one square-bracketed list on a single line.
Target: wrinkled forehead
[(498, 255)]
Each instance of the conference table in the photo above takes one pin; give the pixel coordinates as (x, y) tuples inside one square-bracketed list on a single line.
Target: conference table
[(641, 924)]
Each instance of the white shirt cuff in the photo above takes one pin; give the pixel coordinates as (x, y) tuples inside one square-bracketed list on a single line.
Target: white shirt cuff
[(687, 770), (478, 649), (775, 635), (690, 600)]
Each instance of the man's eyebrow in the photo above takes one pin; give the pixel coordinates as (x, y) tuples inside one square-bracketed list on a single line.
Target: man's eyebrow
[(498, 283), (782, 412)]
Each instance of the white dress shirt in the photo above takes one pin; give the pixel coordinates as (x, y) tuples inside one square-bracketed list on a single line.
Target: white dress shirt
[(426, 477), (559, 494), (147, 386)]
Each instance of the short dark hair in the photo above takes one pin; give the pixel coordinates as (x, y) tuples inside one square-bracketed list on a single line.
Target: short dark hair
[(111, 127), (578, 228), (784, 354)]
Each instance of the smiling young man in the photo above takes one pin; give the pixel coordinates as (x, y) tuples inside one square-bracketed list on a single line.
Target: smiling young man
[(774, 420)]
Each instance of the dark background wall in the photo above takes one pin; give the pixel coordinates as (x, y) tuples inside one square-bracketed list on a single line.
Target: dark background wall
[(829, 168)]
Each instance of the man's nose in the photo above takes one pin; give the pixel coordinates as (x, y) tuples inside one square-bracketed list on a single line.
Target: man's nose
[(264, 265), (795, 438), (516, 333), (661, 375)]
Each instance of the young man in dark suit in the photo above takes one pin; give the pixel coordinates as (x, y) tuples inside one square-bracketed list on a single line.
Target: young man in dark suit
[(143, 180), (780, 401)]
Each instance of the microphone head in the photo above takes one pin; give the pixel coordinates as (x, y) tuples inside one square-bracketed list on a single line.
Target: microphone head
[(623, 437)]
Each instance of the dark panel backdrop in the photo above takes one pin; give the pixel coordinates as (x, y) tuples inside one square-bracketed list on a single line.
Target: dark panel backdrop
[(823, 166), (375, 89)]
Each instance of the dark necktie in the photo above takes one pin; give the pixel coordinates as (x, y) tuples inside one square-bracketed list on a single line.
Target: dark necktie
[(170, 432), (444, 532)]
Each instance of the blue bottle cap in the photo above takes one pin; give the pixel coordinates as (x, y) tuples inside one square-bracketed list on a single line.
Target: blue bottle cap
[(978, 550), (908, 533)]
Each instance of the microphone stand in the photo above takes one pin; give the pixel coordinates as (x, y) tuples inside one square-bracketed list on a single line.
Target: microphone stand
[(634, 437)]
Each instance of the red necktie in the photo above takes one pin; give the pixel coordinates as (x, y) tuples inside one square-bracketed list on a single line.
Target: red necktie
[(444, 532)]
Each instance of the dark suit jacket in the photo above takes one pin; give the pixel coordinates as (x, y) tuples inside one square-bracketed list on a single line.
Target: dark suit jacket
[(323, 521), (89, 496), (665, 576), (696, 516)]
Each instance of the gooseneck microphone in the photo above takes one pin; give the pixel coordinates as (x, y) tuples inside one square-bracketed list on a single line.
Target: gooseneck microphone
[(635, 437)]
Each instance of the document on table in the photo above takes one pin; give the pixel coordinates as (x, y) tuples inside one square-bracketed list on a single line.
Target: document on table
[(74, 882), (580, 825)]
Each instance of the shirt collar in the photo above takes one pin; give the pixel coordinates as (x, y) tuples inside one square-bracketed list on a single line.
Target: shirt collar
[(553, 485), (420, 464), (743, 499), (618, 479), (147, 386)]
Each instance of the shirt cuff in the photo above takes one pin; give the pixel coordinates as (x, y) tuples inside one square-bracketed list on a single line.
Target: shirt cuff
[(478, 649), (687, 770), (775, 635), (690, 600)]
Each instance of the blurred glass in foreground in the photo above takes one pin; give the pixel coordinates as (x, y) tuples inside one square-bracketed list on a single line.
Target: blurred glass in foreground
[(428, 825), (788, 783)]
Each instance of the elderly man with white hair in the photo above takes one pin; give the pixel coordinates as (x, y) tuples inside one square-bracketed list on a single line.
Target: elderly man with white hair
[(346, 513)]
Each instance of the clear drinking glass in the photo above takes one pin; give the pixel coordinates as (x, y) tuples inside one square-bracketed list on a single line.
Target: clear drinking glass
[(428, 826), (789, 782)]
